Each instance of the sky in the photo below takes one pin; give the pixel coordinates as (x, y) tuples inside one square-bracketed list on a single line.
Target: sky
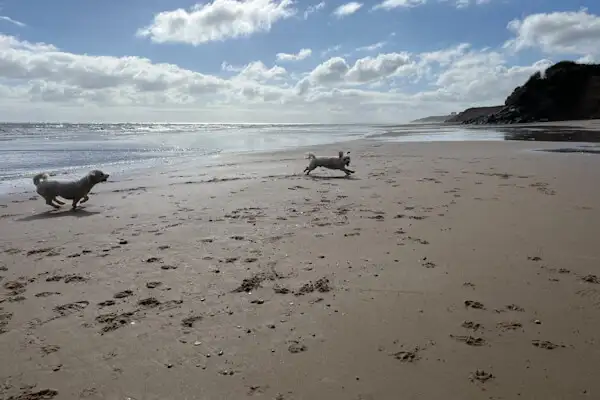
[(278, 61)]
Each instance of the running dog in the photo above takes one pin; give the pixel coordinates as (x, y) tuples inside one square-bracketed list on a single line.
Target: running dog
[(73, 190), (339, 163)]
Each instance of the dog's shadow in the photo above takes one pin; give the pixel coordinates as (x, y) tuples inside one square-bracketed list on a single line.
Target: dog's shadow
[(328, 177), (78, 213)]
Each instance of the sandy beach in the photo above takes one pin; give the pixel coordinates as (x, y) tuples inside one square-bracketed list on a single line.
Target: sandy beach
[(466, 270)]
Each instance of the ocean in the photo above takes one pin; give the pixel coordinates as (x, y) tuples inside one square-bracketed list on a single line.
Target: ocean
[(71, 149)]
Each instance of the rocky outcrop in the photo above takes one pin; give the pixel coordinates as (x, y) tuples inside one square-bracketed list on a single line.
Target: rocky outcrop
[(565, 91), (473, 113)]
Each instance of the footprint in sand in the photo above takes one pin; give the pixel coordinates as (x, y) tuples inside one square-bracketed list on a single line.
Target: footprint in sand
[(474, 304), (321, 285), (509, 326), (351, 234), (75, 278), (15, 287), (281, 290), (544, 344), (153, 284), (5, 317), (481, 376), (45, 394), (123, 294), (70, 308), (39, 251), (417, 240), (114, 321), (149, 302), (189, 321), (296, 347), (471, 325), (469, 340), (514, 307), (49, 349), (591, 279), (47, 294), (407, 356)]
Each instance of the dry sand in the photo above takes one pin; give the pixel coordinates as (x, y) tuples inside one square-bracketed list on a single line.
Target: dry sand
[(438, 271)]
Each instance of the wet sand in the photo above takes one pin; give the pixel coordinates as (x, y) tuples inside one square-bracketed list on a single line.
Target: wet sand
[(438, 271)]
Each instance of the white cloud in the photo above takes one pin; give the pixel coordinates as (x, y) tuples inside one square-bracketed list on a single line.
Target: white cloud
[(12, 21), (391, 4), (330, 50), (557, 33), (346, 9), (81, 77), (331, 71), (479, 76), (313, 9), (372, 47), (466, 3), (371, 69), (301, 55), (217, 21), (257, 71), (365, 70), (445, 56), (40, 81), (587, 59)]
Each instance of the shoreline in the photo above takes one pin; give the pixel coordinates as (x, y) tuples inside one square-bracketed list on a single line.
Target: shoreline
[(230, 163), (223, 161), (139, 168)]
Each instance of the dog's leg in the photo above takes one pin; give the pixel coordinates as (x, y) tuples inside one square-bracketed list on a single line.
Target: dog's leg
[(57, 201), (348, 171), (85, 198), (50, 203), (75, 201)]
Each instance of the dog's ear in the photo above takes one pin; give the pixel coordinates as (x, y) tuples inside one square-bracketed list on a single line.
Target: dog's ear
[(341, 154)]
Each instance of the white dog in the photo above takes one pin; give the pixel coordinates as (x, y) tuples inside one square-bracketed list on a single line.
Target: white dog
[(73, 190), (339, 163)]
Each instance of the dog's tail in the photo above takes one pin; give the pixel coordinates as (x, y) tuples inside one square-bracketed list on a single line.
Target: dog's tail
[(311, 156), (39, 178)]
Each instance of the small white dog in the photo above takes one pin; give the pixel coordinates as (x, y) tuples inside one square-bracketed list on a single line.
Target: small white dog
[(73, 190), (339, 163)]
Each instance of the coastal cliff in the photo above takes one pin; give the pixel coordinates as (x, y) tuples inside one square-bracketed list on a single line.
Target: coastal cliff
[(565, 91), (474, 113), (434, 119)]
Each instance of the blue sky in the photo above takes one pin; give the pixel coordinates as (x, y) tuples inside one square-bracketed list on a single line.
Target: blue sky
[(399, 35)]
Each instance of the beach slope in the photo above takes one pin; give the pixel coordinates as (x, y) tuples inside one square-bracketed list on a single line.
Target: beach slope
[(437, 271)]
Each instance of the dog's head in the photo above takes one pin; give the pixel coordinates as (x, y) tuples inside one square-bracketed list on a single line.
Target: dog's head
[(346, 158), (97, 176)]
